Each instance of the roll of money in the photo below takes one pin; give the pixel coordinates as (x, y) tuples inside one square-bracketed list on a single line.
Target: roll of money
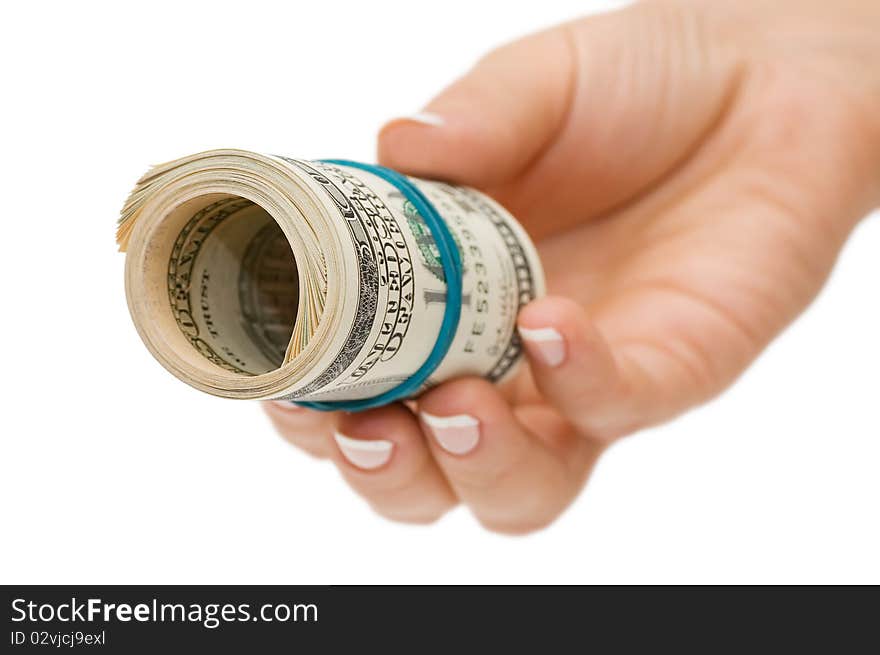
[(334, 284)]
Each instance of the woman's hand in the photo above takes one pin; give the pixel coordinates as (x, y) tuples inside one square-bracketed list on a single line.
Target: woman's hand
[(690, 171)]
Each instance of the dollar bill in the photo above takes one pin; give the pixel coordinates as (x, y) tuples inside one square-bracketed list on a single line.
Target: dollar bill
[(261, 276)]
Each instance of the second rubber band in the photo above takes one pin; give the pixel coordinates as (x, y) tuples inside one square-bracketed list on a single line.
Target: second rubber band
[(450, 260)]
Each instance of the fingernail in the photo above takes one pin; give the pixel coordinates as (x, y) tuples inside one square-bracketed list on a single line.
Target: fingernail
[(287, 405), (456, 434), (363, 453), (545, 343), (425, 118)]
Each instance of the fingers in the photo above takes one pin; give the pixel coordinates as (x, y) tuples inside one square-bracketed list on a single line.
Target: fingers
[(516, 471), (574, 368), (488, 125), (512, 481), (468, 445), (382, 454), (304, 428)]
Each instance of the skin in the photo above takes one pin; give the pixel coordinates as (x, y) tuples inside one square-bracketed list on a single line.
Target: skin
[(690, 172)]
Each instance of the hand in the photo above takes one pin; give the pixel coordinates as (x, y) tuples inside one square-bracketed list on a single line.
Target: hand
[(691, 171)]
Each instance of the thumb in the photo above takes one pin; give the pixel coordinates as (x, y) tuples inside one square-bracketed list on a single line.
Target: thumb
[(568, 124), (489, 125)]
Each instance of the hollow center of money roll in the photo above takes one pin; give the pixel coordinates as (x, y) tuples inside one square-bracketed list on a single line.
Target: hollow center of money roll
[(233, 286)]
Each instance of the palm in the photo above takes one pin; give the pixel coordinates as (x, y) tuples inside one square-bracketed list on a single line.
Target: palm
[(689, 172), (695, 255)]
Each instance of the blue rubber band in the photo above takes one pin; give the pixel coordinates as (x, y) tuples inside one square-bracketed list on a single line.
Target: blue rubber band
[(450, 260)]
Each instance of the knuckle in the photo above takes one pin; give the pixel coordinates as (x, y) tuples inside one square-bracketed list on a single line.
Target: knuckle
[(514, 527), (529, 512), (457, 396), (415, 514), (478, 477), (378, 421), (487, 473), (312, 442), (313, 450), (385, 482)]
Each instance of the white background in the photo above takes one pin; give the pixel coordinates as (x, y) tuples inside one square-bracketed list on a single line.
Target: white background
[(112, 471)]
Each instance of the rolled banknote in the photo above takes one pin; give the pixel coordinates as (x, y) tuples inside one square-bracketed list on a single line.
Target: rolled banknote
[(334, 284)]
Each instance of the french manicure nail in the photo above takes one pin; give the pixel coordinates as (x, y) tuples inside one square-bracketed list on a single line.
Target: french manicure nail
[(425, 118), (456, 434), (363, 453), (545, 343), (287, 405)]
